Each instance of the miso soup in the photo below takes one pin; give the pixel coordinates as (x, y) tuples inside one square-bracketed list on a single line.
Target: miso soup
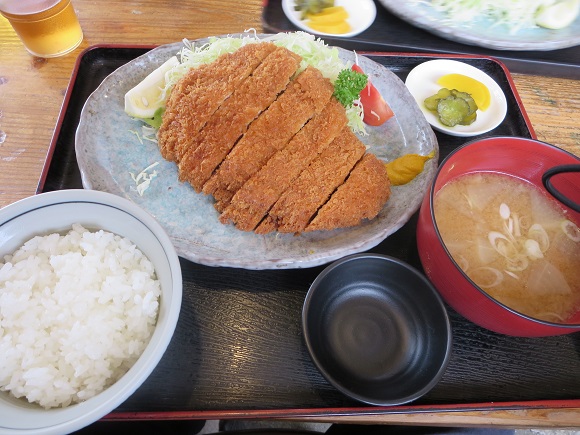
[(514, 241)]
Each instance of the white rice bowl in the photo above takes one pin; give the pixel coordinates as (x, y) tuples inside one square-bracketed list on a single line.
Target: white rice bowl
[(93, 320), (76, 311)]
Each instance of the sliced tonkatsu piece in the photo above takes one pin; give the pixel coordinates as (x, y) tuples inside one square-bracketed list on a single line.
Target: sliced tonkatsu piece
[(307, 95), (253, 200), (232, 118), (200, 92), (296, 207), (362, 196)]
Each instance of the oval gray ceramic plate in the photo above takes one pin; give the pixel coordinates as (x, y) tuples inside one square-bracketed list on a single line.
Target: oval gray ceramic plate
[(108, 151), (483, 32)]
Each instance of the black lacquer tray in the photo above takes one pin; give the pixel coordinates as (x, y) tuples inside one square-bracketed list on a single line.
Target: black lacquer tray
[(390, 33), (238, 349)]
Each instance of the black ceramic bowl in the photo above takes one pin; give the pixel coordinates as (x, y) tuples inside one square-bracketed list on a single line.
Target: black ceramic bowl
[(377, 329)]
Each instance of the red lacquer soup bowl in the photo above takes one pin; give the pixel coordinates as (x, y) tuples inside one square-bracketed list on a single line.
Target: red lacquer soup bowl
[(525, 159)]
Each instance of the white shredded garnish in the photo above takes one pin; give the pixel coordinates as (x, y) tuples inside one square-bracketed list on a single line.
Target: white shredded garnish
[(143, 179), (136, 133), (513, 275), (149, 133), (375, 114)]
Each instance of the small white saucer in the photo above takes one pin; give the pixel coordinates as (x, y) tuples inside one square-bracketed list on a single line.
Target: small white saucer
[(361, 14), (422, 83)]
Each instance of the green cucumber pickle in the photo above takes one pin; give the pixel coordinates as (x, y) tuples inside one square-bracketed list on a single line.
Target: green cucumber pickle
[(452, 107)]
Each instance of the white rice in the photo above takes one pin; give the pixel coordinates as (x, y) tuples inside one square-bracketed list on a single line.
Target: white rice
[(76, 312)]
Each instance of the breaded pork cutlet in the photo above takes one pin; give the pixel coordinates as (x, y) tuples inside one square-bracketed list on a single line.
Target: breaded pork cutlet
[(253, 200), (272, 146), (231, 119), (296, 207), (200, 92), (361, 197), (306, 96)]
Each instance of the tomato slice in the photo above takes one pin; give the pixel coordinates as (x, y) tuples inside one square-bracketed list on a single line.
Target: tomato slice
[(376, 110)]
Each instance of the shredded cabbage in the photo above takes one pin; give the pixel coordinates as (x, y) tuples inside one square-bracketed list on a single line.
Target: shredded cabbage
[(143, 179), (313, 50), (515, 14)]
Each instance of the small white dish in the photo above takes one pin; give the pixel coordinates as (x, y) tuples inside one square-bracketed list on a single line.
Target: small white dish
[(422, 83), (361, 14)]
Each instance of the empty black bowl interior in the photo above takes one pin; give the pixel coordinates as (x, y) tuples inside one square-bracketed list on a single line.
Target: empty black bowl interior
[(376, 329)]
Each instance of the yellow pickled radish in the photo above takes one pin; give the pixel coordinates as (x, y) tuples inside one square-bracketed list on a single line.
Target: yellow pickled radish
[(478, 91), (330, 20), (404, 169), (331, 14), (332, 28)]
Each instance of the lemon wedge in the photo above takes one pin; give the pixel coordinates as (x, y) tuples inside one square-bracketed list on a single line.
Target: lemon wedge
[(478, 91), (144, 99), (558, 15)]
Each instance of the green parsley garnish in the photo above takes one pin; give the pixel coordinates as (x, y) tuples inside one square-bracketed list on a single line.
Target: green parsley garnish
[(348, 86)]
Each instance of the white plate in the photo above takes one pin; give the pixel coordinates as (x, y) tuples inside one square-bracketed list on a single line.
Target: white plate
[(482, 32), (107, 151), (422, 83), (361, 14)]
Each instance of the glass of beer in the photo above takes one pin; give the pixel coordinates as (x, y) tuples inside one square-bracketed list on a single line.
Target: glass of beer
[(47, 28)]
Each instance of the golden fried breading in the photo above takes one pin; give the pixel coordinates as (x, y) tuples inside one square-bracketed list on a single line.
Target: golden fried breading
[(253, 200), (293, 211), (196, 97), (234, 116), (305, 96), (361, 197)]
